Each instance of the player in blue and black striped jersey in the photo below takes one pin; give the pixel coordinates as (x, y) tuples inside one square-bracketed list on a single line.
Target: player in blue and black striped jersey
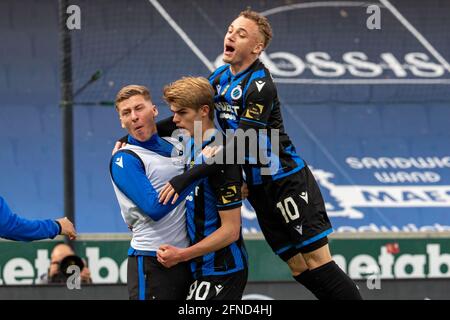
[(217, 252), (287, 200)]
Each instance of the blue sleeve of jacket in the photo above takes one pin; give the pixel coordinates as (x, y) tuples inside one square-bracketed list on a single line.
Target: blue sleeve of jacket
[(16, 228), (131, 179)]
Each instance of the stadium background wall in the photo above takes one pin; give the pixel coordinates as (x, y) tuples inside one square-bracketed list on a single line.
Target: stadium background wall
[(384, 268)]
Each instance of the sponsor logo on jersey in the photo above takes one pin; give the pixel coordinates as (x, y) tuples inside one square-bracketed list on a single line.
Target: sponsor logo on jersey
[(259, 84), (119, 162), (218, 288), (304, 196), (299, 229), (254, 111), (229, 194), (224, 90), (226, 111)]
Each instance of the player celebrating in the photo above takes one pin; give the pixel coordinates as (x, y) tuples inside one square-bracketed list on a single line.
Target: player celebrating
[(288, 203), (138, 172), (217, 254)]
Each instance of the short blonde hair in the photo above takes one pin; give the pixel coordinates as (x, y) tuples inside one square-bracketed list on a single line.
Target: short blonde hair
[(262, 22), (190, 92), (132, 90)]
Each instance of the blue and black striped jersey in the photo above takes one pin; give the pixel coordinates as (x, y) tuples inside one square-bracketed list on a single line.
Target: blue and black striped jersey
[(249, 100), (219, 192)]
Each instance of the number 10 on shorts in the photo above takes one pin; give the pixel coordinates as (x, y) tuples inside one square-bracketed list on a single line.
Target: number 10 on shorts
[(289, 209)]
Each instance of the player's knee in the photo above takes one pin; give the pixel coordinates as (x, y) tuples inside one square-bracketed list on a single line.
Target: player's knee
[(297, 264), (318, 257)]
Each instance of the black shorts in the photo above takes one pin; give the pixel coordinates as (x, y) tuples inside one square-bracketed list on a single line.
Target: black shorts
[(150, 280), (291, 213), (225, 287)]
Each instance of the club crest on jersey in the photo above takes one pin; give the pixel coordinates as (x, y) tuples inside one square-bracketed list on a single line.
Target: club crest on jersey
[(236, 93)]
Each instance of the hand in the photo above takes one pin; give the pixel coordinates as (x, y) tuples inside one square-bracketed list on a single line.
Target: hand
[(166, 194), (85, 275), (210, 152), (67, 228), (169, 255), (119, 145), (244, 191)]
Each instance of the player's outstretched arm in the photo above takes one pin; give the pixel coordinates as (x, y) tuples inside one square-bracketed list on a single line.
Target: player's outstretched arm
[(14, 227)]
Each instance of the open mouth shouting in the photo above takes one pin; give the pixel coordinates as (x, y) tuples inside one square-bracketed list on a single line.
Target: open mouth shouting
[(228, 50)]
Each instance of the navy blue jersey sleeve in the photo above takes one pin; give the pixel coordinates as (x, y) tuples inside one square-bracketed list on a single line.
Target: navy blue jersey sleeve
[(196, 173), (201, 170), (166, 127), (16, 228), (128, 173), (227, 187), (258, 102)]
